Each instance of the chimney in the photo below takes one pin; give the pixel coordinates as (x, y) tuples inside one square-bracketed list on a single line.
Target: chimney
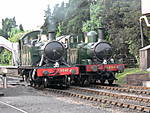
[(51, 28), (51, 35), (101, 34)]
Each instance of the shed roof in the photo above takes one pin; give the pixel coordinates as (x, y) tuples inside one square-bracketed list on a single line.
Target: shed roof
[(145, 48)]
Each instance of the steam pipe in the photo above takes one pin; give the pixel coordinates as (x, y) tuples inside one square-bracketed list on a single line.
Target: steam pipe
[(141, 28)]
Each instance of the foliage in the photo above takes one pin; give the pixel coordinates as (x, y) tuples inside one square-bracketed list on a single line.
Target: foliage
[(95, 18), (7, 25), (15, 35), (5, 57), (120, 18), (47, 16), (21, 27), (12, 33), (122, 23), (69, 17)]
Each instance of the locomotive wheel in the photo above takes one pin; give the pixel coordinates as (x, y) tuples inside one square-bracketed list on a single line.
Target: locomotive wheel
[(81, 82), (93, 81), (32, 80), (27, 79), (84, 82), (110, 82), (102, 81)]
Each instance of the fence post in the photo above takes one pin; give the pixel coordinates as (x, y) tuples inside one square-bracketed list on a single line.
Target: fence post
[(4, 81)]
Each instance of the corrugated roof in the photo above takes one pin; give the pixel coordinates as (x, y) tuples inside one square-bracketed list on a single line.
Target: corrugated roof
[(145, 48)]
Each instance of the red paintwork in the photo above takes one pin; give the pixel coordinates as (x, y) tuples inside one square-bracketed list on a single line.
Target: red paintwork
[(58, 71), (105, 67)]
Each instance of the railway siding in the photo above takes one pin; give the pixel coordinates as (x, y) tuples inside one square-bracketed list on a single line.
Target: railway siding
[(102, 100), (140, 99), (128, 89)]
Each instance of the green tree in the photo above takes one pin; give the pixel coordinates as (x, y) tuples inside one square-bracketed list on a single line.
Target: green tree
[(7, 25), (69, 17), (47, 16), (96, 10), (77, 13), (121, 20), (21, 27)]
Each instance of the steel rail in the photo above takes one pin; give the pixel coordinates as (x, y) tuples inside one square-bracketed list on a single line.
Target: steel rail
[(136, 87), (119, 96), (102, 100), (127, 89)]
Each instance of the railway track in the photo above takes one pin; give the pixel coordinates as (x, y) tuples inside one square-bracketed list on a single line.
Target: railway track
[(136, 87), (115, 95), (128, 89), (124, 101), (106, 95)]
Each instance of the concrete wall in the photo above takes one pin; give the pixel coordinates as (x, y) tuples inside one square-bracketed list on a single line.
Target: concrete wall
[(148, 58), (137, 79), (145, 59)]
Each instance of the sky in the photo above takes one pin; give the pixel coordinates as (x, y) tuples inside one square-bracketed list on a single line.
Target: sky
[(29, 13)]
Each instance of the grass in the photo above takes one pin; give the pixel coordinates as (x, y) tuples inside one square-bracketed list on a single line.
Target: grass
[(5, 64), (127, 71)]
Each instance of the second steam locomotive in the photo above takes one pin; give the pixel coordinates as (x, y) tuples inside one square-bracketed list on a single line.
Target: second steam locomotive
[(47, 60)]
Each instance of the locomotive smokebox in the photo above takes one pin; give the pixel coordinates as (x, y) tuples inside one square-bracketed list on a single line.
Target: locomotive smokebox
[(101, 34), (54, 51), (103, 50)]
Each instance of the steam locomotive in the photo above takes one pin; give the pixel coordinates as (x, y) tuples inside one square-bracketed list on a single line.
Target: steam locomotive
[(47, 60)]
